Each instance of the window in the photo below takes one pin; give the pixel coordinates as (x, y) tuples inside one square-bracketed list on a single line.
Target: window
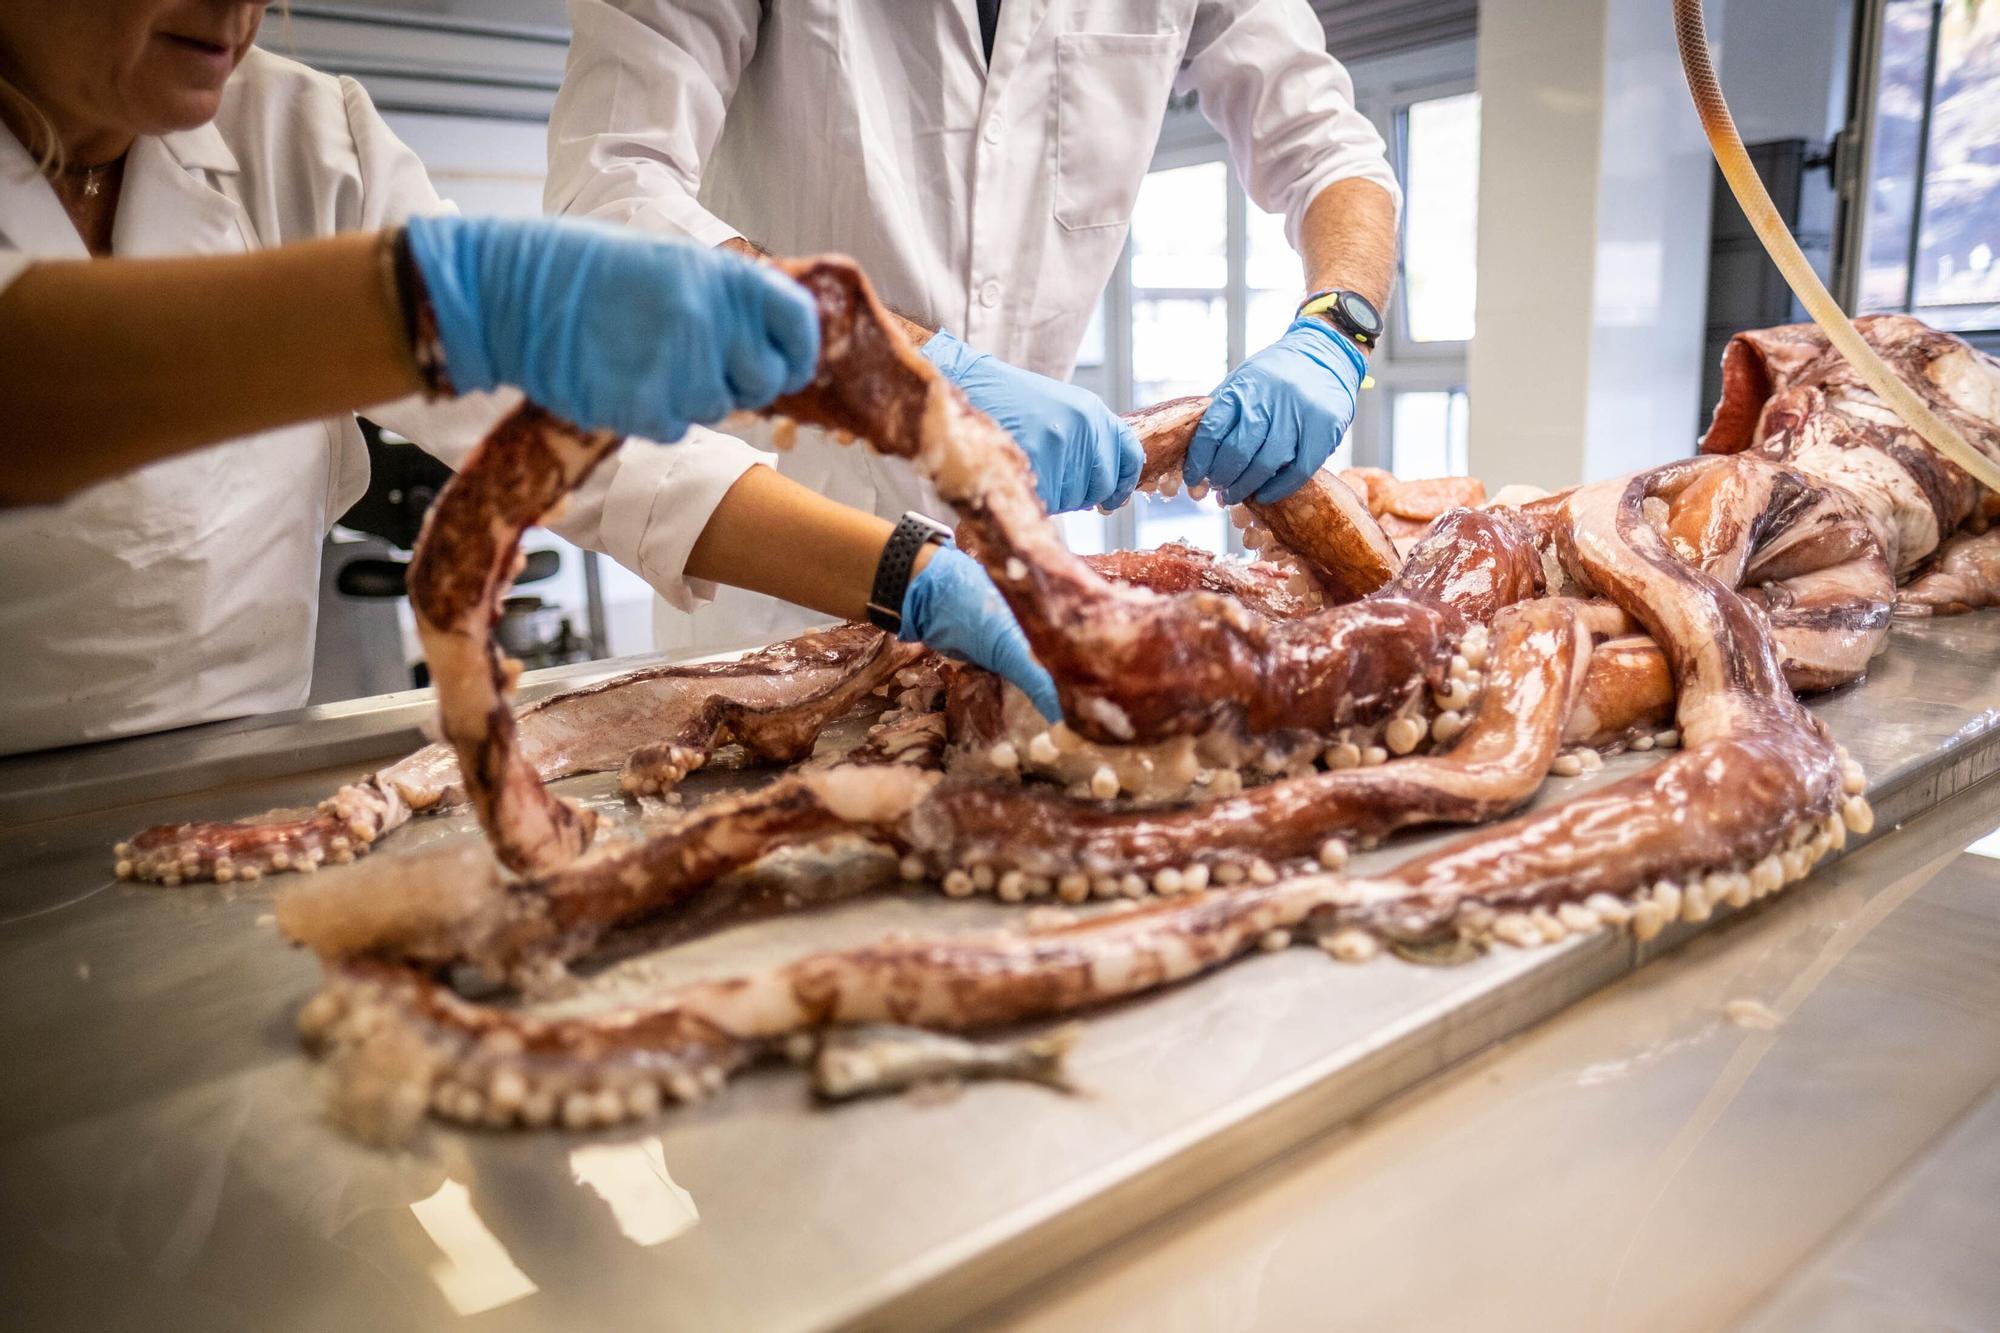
[(1208, 277), (1194, 277), (1931, 228), (1415, 422), (1440, 140), (1429, 428), (1272, 274), (1178, 260)]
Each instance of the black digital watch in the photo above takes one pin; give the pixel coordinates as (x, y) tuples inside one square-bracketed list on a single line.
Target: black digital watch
[(1350, 312)]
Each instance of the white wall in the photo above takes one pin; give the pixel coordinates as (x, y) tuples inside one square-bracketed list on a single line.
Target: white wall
[(1593, 243), (1783, 66)]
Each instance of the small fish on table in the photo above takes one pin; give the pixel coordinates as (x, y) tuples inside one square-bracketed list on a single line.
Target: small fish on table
[(882, 1057)]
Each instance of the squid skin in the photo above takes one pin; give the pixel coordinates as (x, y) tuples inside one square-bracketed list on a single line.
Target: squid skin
[(463, 566), (1723, 585), (1324, 525), (1537, 663), (1129, 664), (766, 700), (1964, 577)]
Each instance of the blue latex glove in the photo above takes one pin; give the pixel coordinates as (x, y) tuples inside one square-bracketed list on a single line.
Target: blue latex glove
[(609, 327), (1083, 455), (1278, 416), (953, 608)]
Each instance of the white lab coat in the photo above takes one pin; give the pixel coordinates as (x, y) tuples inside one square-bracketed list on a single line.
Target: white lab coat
[(187, 591), (992, 201)]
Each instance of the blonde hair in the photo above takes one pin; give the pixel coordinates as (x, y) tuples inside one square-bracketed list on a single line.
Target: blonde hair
[(42, 143)]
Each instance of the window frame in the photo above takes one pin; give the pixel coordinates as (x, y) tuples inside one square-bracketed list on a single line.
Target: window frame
[(1385, 87), (1396, 340), (1856, 168), (1186, 140)]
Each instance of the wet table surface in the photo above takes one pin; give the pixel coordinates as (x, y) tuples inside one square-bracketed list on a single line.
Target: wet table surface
[(165, 1164), (1788, 1124)]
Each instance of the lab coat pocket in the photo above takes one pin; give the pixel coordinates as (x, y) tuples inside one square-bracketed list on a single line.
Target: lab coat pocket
[(1111, 91)]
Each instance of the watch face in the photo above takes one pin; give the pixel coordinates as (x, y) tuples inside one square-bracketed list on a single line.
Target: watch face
[(1356, 311)]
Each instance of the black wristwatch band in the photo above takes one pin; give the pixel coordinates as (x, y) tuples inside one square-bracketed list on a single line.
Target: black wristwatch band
[(1336, 305), (913, 533)]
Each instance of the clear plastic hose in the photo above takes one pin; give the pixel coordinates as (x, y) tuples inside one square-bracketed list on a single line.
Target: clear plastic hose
[(1727, 146)]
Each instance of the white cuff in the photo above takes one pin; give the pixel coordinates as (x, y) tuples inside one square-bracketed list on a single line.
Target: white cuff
[(661, 499)]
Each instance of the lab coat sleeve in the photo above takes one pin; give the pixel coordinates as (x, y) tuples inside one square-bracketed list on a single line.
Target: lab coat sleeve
[(646, 505), (642, 102), (1284, 106)]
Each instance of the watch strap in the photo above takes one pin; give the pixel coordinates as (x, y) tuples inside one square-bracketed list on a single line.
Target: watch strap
[(1322, 303), (913, 532), (1318, 303)]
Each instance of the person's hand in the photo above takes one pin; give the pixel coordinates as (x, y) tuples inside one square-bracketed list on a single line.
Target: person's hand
[(1278, 416), (609, 327), (1083, 455), (953, 608)]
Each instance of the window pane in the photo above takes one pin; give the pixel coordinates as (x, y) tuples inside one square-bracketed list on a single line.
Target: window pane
[(1440, 216), (1086, 533), (1892, 191), (1178, 347), (1198, 523), (1427, 434), (1269, 315), (1179, 228), (1180, 339), (1274, 276), (1958, 278)]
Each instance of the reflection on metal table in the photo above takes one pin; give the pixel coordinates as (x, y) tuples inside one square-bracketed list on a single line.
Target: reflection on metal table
[(164, 1160)]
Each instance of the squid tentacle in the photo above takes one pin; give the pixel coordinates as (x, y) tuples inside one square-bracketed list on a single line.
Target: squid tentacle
[(404, 1044), (1965, 576), (1746, 578), (464, 563), (1758, 778), (1323, 526), (1021, 843), (592, 729)]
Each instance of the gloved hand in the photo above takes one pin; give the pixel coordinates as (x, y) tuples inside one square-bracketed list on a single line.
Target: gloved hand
[(609, 327), (953, 608), (1278, 416), (1083, 455)]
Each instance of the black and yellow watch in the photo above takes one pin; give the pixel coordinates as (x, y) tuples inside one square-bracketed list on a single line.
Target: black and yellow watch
[(1350, 312)]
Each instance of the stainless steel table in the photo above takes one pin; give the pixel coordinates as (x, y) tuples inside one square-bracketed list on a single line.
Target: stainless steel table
[(164, 1164), (1663, 1155)]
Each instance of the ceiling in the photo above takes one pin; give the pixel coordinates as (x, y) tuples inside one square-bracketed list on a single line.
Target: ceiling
[(1358, 28)]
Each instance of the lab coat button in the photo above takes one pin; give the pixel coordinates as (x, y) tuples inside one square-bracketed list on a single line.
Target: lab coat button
[(989, 295), (993, 128)]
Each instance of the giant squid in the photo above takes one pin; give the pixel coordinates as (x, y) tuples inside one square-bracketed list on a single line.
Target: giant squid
[(1695, 600)]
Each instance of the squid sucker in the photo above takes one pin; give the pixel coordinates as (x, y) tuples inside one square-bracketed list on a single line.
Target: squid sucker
[(1400, 654)]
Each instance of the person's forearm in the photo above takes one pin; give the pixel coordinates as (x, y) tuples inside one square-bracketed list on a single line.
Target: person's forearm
[(110, 364), (1348, 239), (774, 536), (915, 332)]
